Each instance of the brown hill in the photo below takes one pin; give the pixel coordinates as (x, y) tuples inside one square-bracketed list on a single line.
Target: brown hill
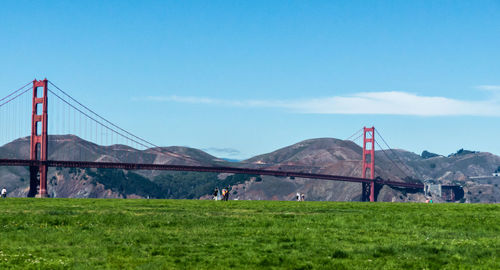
[(333, 156), (324, 155), (79, 182)]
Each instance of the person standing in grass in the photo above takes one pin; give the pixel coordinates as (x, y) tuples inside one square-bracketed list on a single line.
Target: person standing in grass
[(216, 192), (4, 193), (226, 197), (224, 194)]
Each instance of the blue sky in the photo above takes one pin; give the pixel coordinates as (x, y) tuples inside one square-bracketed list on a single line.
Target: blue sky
[(241, 78)]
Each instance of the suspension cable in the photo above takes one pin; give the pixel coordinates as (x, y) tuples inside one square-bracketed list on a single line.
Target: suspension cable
[(102, 118), (161, 151), (137, 140), (355, 133), (20, 94), (391, 160), (393, 152), (360, 135), (72, 106), (133, 138), (15, 91)]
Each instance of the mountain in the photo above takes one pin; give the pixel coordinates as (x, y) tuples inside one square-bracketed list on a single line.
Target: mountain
[(70, 147), (325, 156), (473, 170)]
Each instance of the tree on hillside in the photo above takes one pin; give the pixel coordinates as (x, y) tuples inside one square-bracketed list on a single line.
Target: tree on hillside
[(426, 154), (462, 152)]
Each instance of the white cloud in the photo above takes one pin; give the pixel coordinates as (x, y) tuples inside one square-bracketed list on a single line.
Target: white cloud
[(222, 151), (489, 87), (398, 103), (383, 103), (211, 101)]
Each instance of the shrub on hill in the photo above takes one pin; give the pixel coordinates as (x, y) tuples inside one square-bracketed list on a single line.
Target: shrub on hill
[(192, 185), (126, 183), (172, 185), (426, 154), (462, 152)]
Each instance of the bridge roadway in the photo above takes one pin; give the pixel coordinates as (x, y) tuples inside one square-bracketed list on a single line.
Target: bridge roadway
[(215, 169)]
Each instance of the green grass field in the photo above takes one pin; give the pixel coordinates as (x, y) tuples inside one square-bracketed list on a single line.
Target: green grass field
[(191, 234)]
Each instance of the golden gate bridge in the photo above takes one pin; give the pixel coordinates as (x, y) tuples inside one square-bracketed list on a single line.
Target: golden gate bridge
[(69, 116)]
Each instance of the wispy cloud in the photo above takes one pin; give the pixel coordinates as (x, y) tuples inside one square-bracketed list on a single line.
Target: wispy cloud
[(222, 151), (211, 101), (489, 87), (384, 103)]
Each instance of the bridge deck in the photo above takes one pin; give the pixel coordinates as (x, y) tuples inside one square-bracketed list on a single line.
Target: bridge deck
[(164, 167)]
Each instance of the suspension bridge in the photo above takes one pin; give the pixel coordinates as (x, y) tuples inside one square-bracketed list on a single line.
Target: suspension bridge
[(69, 116)]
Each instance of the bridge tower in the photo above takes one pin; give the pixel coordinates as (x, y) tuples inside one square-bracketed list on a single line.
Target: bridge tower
[(369, 163), (39, 140)]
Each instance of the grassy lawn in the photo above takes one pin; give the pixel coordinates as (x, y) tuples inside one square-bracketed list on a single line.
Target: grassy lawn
[(191, 234)]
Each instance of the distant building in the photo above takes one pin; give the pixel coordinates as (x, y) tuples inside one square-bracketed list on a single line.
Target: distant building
[(431, 188)]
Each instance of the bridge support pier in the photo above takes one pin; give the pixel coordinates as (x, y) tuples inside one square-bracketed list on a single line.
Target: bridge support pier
[(42, 193), (39, 140), (368, 192), (365, 192), (34, 180)]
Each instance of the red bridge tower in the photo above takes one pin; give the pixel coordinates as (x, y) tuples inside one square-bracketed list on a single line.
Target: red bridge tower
[(369, 163), (39, 139)]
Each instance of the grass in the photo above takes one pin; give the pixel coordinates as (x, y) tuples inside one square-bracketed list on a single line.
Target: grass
[(191, 234)]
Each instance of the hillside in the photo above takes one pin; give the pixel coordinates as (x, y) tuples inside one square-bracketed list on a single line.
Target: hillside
[(98, 183), (323, 155), (333, 156)]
